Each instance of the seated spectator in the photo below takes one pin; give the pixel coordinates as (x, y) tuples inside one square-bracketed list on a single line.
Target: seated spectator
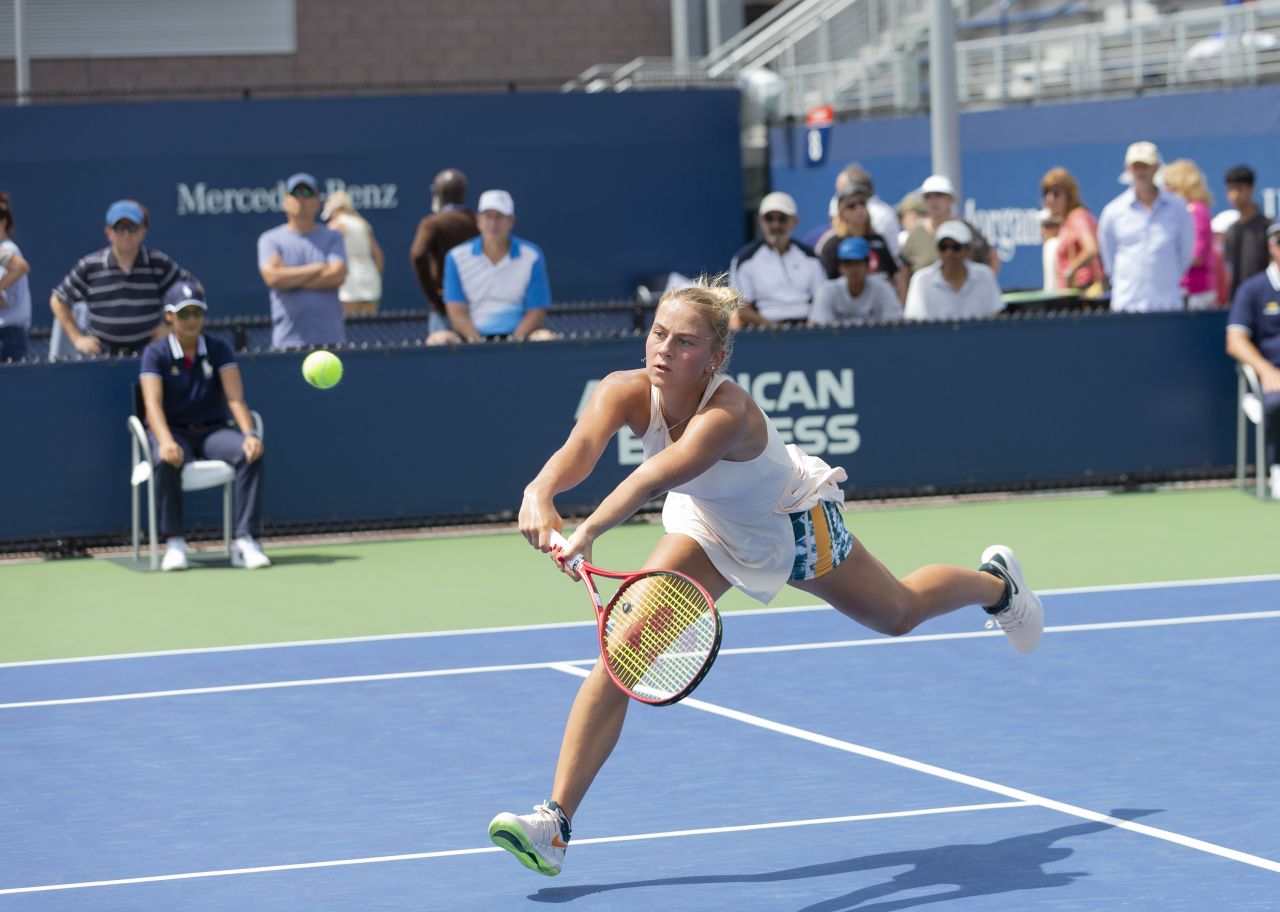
[(953, 286), (1078, 265), (776, 275), (884, 220), (1200, 281), (853, 297), (920, 250), (854, 220), (195, 409), (910, 211), (1245, 247), (304, 264), (361, 291), (123, 286), (15, 292), (1145, 239), (449, 224), (1253, 338), (496, 285)]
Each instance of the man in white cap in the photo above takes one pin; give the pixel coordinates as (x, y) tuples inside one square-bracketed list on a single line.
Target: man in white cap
[(776, 274), (953, 287), (495, 285), (920, 249), (1146, 238)]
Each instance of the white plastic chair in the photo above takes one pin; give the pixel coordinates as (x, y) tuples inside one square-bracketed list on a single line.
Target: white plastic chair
[(1249, 410), (197, 475)]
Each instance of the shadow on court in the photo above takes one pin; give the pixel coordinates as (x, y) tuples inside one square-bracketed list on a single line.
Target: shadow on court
[(978, 869), (213, 560)]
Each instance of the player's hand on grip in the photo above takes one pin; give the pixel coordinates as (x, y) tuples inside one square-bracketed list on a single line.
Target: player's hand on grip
[(579, 546), (538, 519)]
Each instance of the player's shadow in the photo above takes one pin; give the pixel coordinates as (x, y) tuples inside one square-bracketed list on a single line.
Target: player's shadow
[(977, 869)]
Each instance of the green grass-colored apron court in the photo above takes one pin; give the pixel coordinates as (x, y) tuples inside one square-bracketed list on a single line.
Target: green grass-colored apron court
[(95, 607)]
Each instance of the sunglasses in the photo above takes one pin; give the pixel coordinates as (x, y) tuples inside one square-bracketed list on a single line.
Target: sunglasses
[(303, 192), (123, 227), (949, 247), (1054, 191), (854, 204), (775, 218)]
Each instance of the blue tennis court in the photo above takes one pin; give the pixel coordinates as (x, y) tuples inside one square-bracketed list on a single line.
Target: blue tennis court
[(1128, 763)]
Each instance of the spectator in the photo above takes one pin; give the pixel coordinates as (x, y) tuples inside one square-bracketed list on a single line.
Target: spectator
[(910, 211), (449, 225), (304, 264), (1145, 239), (195, 409), (361, 291), (953, 286), (776, 275), (884, 220), (1050, 228), (1253, 338), (1200, 282), (854, 220), (496, 285), (122, 285), (1078, 265), (852, 297), (1246, 243), (15, 292), (920, 249)]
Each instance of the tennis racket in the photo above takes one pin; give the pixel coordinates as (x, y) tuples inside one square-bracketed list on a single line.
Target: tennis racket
[(659, 633)]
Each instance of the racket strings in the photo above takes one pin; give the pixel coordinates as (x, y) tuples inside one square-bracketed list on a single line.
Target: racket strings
[(660, 633)]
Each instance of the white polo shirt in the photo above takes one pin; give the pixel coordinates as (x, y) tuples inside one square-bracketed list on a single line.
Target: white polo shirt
[(498, 294), (931, 297), (780, 285)]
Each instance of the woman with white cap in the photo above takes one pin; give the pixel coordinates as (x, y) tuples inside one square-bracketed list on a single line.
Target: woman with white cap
[(361, 291)]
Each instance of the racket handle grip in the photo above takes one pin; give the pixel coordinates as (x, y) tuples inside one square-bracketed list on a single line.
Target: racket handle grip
[(572, 562)]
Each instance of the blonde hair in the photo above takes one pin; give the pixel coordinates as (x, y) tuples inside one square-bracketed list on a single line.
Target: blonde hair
[(339, 201), (1184, 178), (716, 303)]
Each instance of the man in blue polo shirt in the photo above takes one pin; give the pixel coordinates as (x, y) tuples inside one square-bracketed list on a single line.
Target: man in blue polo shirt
[(495, 285), (195, 409), (1253, 338)]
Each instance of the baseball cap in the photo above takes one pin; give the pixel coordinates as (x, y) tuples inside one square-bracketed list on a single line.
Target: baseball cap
[(854, 248), (1222, 222), (180, 294), (1142, 152), (496, 201), (937, 183), (299, 179), (777, 201), (858, 188), (127, 210), (1273, 229), (954, 230)]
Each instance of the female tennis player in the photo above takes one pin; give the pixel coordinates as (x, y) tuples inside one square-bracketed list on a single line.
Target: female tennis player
[(742, 510)]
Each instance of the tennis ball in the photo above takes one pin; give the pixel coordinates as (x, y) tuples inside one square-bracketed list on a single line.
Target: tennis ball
[(322, 369)]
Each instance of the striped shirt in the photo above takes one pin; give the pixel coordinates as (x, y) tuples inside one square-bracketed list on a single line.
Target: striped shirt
[(123, 306)]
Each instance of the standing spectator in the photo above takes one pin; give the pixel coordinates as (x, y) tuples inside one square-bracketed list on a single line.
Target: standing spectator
[(920, 249), (361, 291), (1246, 243), (853, 219), (15, 292), (953, 286), (122, 285), (884, 220), (449, 225), (852, 297), (1200, 282), (496, 285), (776, 275), (1077, 265), (195, 409), (303, 263), (911, 212), (1145, 238), (1253, 338), (1050, 228)]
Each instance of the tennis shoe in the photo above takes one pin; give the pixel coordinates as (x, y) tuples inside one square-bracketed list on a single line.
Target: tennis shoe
[(538, 839), (1022, 620), (175, 555), (246, 553)]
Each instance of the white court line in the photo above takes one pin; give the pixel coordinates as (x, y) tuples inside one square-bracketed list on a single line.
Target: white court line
[(599, 840), (373, 638), (528, 666), (963, 779)]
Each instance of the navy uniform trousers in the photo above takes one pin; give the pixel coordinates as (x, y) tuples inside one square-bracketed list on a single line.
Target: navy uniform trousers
[(212, 441)]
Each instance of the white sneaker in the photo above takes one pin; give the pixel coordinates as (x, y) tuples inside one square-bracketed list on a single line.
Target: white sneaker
[(1023, 620), (175, 555), (246, 553), (1275, 482), (538, 839)]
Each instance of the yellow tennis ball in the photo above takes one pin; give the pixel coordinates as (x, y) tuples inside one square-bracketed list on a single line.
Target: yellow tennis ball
[(322, 369)]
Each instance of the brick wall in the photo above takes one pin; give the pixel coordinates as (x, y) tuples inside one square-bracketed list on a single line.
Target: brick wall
[(536, 43)]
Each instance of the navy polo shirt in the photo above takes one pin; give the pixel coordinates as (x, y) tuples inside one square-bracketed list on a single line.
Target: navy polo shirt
[(192, 392), (1256, 311)]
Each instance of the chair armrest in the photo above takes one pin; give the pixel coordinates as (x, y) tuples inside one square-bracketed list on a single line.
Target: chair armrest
[(139, 434), (1250, 378), (258, 425)]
